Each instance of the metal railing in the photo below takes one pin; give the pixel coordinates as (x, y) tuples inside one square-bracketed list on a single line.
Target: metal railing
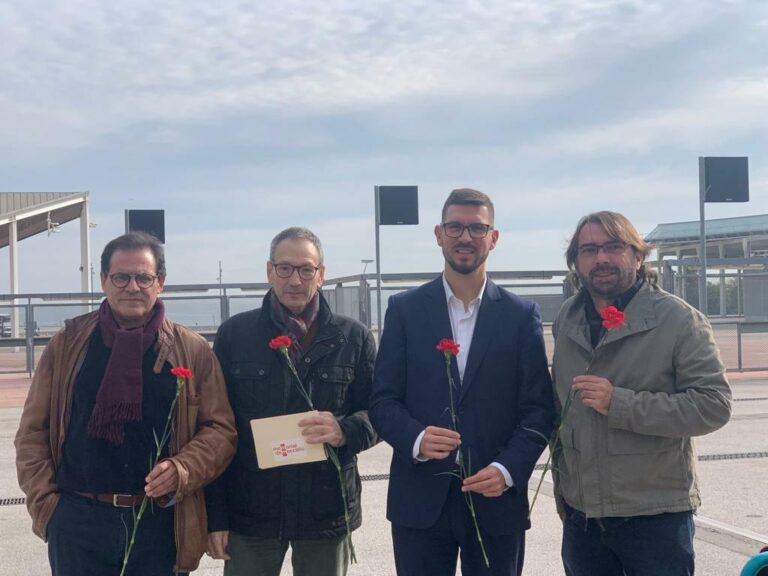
[(743, 344)]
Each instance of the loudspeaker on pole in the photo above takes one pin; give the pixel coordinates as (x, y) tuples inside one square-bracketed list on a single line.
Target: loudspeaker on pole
[(397, 205), (724, 178), (150, 221)]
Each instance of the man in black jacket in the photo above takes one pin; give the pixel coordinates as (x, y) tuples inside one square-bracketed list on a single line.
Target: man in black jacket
[(255, 514)]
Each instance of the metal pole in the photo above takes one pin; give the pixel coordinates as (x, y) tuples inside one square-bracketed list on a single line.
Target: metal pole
[(364, 295), (379, 319), (702, 242), (29, 335), (13, 261), (85, 248)]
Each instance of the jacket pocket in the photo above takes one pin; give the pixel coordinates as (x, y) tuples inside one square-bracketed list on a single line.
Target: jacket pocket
[(327, 503), (626, 442), (566, 468), (646, 471), (252, 391), (262, 493), (330, 385)]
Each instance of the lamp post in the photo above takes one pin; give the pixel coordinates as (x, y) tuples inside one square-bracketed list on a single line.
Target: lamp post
[(364, 294)]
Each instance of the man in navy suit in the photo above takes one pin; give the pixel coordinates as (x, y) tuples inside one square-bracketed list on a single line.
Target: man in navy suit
[(503, 393)]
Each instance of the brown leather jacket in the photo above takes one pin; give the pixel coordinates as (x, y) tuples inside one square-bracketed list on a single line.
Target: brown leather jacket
[(202, 444)]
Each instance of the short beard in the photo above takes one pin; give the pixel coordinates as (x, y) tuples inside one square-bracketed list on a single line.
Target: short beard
[(609, 292), (465, 270)]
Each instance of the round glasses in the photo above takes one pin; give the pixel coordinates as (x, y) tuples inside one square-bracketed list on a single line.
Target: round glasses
[(306, 272), (121, 279)]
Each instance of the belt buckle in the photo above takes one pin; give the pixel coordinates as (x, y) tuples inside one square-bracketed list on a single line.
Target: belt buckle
[(118, 505)]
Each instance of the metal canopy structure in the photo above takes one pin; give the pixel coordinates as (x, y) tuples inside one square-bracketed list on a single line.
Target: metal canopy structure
[(739, 237), (739, 243), (716, 229), (37, 212), (25, 214)]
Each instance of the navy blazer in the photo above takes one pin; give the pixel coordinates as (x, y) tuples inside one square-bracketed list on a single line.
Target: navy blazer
[(506, 392)]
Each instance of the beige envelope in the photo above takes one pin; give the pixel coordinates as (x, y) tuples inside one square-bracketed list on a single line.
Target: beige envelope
[(279, 442)]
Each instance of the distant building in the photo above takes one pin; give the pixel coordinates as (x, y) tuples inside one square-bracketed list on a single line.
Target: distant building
[(737, 248)]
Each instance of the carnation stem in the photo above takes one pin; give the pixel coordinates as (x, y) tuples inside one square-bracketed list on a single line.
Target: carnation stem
[(554, 443), (153, 462), (337, 463), (329, 452), (463, 471), (552, 447), (454, 418), (471, 505)]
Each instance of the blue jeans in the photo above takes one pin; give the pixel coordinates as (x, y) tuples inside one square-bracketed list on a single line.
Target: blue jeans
[(660, 545)]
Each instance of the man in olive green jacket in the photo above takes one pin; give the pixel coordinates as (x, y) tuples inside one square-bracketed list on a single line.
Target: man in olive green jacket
[(626, 481)]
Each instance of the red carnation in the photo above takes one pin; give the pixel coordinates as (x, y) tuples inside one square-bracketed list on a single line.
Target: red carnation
[(612, 317), (183, 373), (280, 342), (448, 346)]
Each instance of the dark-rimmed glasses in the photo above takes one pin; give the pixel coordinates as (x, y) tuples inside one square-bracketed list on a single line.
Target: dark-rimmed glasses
[(456, 229), (122, 279), (306, 271), (612, 248)]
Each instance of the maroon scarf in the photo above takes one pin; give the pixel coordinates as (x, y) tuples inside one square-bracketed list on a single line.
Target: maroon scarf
[(295, 326), (119, 397)]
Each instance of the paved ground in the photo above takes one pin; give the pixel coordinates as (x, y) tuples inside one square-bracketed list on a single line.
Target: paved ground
[(731, 525)]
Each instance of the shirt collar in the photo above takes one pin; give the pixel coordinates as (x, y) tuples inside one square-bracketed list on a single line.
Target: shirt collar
[(449, 293)]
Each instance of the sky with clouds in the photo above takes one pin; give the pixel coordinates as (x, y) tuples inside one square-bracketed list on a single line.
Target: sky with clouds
[(242, 118)]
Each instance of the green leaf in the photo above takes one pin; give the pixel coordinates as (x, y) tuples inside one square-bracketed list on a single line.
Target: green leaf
[(537, 433), (454, 474)]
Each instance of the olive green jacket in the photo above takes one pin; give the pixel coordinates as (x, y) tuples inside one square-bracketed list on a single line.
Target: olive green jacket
[(669, 385)]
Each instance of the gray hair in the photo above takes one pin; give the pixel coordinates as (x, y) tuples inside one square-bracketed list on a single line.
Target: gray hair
[(295, 233)]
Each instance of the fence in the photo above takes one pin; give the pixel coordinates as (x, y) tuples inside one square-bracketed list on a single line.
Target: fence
[(743, 344)]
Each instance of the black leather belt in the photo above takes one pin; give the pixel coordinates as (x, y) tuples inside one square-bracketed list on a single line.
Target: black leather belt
[(116, 500)]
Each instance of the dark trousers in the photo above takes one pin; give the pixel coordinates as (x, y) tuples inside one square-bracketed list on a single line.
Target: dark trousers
[(434, 551), (87, 538), (253, 556), (659, 545)]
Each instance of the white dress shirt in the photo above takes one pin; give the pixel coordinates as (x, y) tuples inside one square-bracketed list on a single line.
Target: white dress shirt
[(463, 321)]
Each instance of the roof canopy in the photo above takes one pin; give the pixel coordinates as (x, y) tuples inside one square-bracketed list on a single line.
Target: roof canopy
[(683, 232), (36, 212)]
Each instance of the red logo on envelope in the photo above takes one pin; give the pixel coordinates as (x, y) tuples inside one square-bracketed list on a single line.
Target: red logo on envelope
[(288, 449)]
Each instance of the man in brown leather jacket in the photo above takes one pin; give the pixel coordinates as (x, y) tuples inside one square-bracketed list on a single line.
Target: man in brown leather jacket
[(100, 397)]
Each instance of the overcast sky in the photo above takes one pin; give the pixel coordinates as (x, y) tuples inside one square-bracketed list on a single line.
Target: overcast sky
[(240, 119)]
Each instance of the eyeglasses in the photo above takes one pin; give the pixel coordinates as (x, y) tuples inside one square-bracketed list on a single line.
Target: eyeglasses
[(306, 272), (456, 229), (613, 248), (121, 279)]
